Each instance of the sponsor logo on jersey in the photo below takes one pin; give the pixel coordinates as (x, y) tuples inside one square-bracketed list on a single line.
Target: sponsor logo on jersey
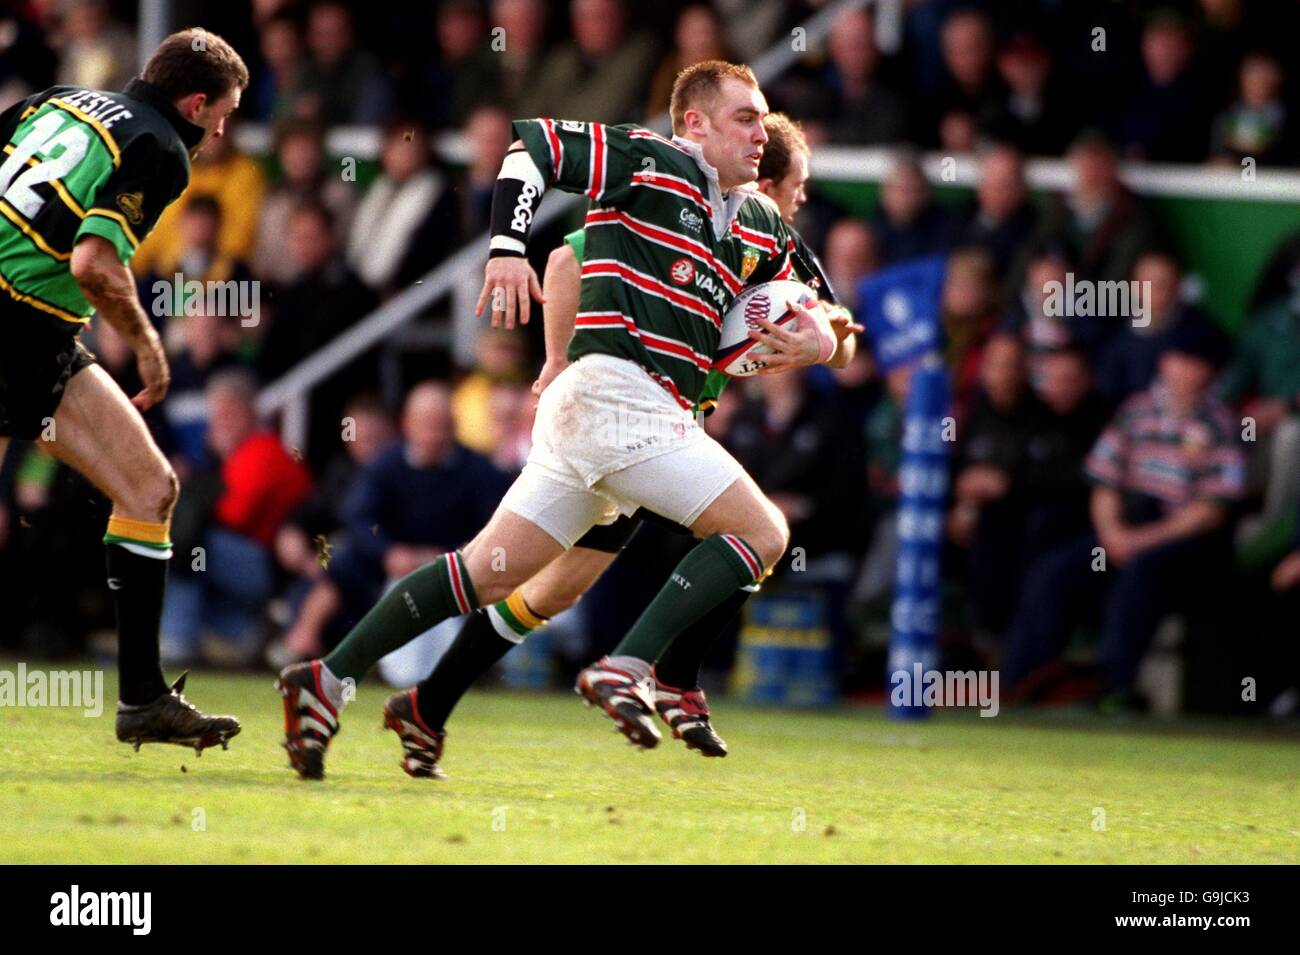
[(572, 126), (683, 271), (132, 206), (749, 263), (690, 220)]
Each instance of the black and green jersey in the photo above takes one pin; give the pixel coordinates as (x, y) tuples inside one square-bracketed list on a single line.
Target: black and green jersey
[(665, 252), (83, 162), (807, 269)]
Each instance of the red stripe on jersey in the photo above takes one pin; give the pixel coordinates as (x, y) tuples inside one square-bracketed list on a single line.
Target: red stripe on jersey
[(696, 306), (596, 175), (653, 232), (657, 343), (659, 180), (557, 148), (761, 239)]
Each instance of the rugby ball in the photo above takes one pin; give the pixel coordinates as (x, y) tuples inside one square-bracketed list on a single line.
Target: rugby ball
[(739, 355)]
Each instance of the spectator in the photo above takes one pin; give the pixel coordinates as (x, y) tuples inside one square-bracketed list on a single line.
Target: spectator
[(1127, 361), (1003, 219), (600, 74), (96, 51), (851, 255), (523, 23), (488, 135), (195, 255), (989, 512), (1264, 379), (414, 501), (300, 154), (1168, 470), (1034, 114), (1035, 314), (405, 224), (787, 439), (236, 182), (501, 355), (859, 110), (205, 350), (305, 542), (1167, 119), (971, 90), (277, 85), (1103, 223), (261, 485), (1056, 490), (969, 313), (323, 301), (341, 83), (462, 75), (27, 63), (697, 37), (909, 223), (1257, 124)]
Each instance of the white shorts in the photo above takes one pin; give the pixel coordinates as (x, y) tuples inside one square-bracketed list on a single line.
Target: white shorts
[(607, 440)]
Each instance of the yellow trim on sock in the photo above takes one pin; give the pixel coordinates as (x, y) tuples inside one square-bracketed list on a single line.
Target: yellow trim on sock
[(146, 532), (523, 613)]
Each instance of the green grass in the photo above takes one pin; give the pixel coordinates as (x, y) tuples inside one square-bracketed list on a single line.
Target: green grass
[(955, 789)]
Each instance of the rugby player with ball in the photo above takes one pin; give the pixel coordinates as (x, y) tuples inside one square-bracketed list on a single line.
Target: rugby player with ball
[(642, 348), (490, 632)]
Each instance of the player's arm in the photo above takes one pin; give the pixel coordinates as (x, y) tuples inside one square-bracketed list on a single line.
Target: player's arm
[(588, 158), (109, 287), (809, 269), (561, 289)]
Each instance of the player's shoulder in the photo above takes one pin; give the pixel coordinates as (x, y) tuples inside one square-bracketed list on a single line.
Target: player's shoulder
[(761, 210)]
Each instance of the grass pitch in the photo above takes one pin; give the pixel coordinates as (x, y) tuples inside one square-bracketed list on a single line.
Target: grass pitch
[(539, 778)]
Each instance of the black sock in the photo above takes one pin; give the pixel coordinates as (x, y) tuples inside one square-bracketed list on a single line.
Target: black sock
[(137, 584), (471, 654), (680, 664)]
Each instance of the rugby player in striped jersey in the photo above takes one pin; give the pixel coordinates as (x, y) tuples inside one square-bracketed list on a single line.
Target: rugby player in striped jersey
[(615, 432), (490, 632)]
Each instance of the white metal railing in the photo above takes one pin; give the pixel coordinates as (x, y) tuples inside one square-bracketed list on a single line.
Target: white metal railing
[(461, 276)]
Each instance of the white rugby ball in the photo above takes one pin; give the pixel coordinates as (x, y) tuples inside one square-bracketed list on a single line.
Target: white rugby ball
[(739, 355)]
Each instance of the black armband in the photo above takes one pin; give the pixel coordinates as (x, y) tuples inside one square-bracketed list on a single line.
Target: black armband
[(515, 199)]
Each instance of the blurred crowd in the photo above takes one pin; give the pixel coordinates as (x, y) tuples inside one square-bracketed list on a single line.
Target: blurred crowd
[(1072, 432)]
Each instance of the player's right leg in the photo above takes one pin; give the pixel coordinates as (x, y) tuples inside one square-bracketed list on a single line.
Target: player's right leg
[(541, 516), (742, 536), (97, 432)]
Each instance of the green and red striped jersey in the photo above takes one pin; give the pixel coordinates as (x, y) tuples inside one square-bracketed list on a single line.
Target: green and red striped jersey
[(666, 253), (807, 269), (83, 162)]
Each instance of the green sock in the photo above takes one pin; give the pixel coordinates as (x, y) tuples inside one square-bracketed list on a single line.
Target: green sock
[(419, 600), (709, 574)]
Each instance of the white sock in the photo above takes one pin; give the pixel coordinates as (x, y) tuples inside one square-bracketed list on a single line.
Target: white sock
[(334, 688)]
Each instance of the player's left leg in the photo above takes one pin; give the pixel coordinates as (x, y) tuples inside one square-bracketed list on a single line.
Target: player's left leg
[(100, 434)]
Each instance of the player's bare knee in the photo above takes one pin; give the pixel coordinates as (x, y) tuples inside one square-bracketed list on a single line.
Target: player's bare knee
[(770, 536)]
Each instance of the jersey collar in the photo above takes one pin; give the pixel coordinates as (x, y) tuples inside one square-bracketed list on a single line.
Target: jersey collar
[(724, 209), (191, 135)]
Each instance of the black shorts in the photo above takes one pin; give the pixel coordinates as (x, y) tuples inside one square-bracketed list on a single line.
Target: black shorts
[(612, 538), (37, 357)]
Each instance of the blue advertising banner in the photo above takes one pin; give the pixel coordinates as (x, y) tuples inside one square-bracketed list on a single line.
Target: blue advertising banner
[(899, 306), (923, 489)]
